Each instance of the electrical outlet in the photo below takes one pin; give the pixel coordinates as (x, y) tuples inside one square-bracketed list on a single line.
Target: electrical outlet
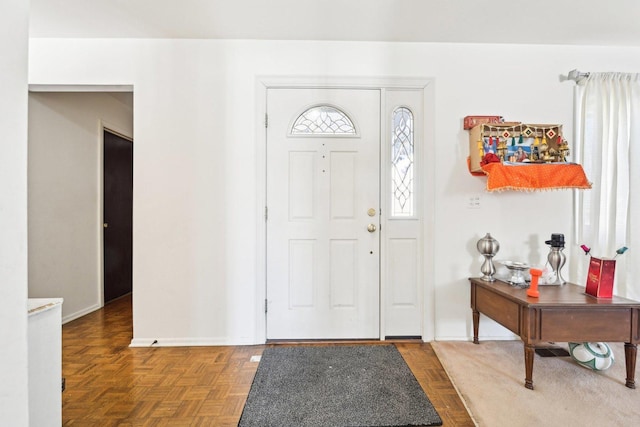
[(473, 202)]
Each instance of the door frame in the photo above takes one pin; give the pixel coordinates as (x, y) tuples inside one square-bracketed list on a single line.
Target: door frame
[(426, 187)]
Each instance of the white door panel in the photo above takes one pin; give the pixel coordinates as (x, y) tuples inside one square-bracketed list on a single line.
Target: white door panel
[(402, 271), (322, 261)]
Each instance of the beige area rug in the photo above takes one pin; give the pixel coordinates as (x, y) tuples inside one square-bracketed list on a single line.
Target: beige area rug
[(490, 379)]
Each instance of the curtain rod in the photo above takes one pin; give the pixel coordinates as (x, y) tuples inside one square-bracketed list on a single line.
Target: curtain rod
[(577, 76)]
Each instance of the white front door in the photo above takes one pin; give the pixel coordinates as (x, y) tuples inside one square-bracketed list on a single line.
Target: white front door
[(323, 200)]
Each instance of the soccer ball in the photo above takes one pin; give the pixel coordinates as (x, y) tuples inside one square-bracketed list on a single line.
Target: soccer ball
[(596, 356)]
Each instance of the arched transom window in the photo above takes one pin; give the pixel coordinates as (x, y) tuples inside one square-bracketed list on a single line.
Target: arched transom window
[(324, 120)]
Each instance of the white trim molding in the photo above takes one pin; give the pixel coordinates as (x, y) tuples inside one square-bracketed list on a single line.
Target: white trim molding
[(425, 187), (80, 88)]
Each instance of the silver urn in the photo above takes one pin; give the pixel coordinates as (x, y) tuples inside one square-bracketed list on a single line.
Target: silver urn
[(488, 247)]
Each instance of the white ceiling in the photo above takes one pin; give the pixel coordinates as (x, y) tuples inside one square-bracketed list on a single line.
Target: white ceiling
[(586, 22)]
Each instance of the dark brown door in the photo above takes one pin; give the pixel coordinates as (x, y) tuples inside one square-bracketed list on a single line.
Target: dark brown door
[(117, 214)]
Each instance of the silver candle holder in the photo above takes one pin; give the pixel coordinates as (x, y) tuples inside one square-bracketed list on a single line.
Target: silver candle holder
[(488, 247)]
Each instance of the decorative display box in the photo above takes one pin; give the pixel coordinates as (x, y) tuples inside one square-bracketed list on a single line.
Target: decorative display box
[(600, 277), (472, 121), (516, 142)]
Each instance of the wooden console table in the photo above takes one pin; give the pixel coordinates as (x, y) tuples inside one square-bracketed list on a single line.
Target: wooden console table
[(561, 314)]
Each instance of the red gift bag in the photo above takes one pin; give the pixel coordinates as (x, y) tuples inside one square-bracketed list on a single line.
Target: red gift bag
[(600, 277)]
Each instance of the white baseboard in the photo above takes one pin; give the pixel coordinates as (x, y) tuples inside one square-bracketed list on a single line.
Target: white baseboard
[(77, 314), (480, 338), (187, 342)]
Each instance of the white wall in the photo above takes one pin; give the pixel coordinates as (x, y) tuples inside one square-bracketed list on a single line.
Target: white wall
[(65, 194), (14, 406), (196, 211)]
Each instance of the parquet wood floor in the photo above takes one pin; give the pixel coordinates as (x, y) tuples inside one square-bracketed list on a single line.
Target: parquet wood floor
[(110, 384)]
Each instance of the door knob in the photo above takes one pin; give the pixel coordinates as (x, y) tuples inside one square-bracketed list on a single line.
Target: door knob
[(105, 225), (371, 228)]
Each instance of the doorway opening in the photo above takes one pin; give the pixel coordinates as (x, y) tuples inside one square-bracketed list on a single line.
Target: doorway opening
[(311, 178), (117, 214), (66, 125)]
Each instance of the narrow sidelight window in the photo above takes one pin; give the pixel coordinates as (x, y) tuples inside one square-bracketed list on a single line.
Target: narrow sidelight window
[(402, 160)]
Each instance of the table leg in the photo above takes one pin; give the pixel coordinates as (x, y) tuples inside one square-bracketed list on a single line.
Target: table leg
[(476, 321), (630, 351), (529, 352)]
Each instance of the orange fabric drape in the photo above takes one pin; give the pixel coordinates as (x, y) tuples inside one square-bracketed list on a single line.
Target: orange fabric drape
[(535, 176)]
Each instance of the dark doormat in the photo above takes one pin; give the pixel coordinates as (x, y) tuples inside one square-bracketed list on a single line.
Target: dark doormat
[(368, 386)]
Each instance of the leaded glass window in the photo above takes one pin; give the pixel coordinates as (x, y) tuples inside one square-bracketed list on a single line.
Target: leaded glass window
[(402, 161), (323, 120)]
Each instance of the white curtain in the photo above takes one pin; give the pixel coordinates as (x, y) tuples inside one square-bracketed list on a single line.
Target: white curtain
[(607, 108)]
